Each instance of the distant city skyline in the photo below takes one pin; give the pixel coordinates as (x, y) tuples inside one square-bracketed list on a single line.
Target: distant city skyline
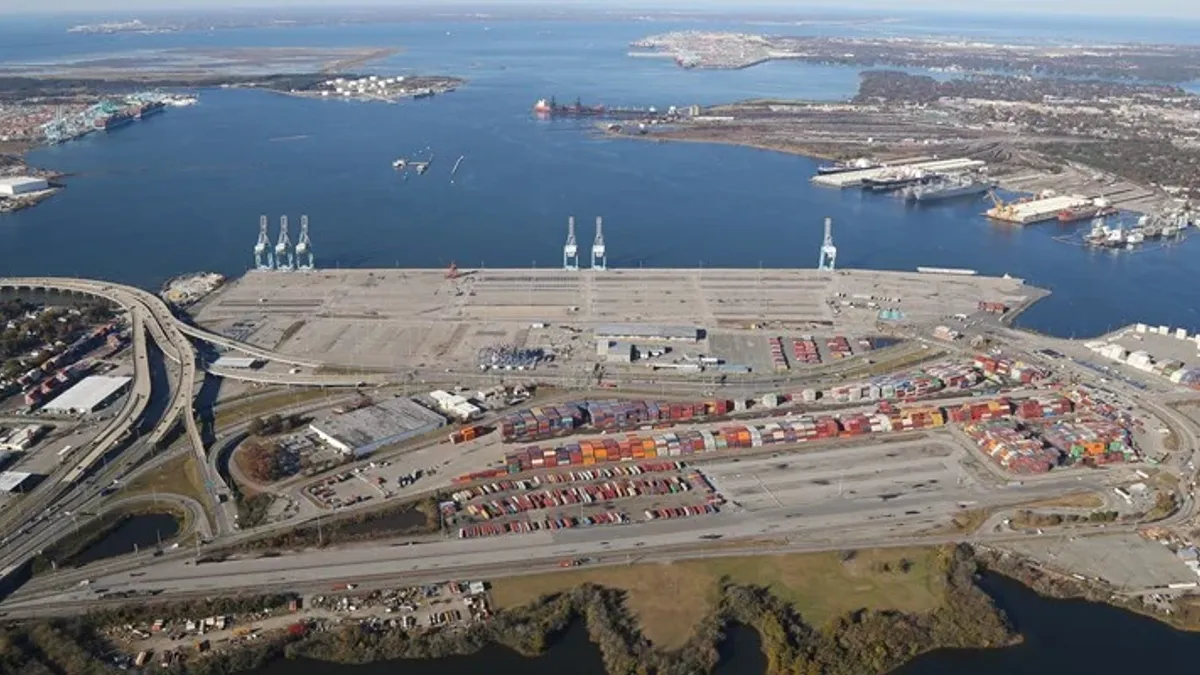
[(1145, 8)]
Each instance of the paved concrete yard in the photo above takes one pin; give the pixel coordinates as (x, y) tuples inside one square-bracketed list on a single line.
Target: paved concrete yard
[(878, 471), (1125, 560), (415, 318)]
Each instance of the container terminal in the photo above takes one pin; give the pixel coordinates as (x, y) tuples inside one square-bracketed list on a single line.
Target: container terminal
[(452, 316)]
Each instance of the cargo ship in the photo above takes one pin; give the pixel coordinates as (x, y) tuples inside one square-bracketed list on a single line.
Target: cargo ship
[(898, 180), (152, 108), (551, 108), (948, 188), (113, 121), (1098, 208), (842, 167)]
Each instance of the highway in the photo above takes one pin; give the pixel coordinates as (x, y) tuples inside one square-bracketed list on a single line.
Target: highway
[(835, 522)]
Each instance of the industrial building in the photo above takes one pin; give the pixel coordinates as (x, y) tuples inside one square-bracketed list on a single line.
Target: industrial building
[(455, 405), (16, 481), (11, 186), (642, 331), (616, 352), (237, 362), (367, 429), (89, 395)]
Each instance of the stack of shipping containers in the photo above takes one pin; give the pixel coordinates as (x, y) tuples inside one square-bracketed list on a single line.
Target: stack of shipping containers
[(1044, 406), (805, 351), (777, 358), (1014, 450), (1098, 441), (539, 424), (839, 347)]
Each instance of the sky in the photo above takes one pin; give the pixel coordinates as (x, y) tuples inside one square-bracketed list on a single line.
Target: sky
[(1141, 8)]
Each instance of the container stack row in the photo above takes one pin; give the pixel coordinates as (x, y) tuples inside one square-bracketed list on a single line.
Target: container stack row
[(541, 423), (1098, 440), (1015, 371), (467, 434), (1015, 450), (983, 411), (839, 347), (778, 360), (805, 351), (1044, 406)]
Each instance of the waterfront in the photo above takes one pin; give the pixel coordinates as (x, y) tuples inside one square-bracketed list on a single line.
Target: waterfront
[(1053, 632), (142, 533), (183, 191)]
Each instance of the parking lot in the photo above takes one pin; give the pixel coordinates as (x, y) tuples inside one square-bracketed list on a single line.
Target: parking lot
[(589, 496)]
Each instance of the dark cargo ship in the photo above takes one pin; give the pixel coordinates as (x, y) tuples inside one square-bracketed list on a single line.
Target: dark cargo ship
[(552, 108), (115, 120), (152, 108)]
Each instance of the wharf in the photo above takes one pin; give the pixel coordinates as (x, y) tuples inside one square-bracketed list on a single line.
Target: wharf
[(392, 318), (847, 179), (1036, 210)]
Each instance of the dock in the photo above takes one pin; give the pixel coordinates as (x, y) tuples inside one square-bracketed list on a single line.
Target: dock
[(847, 179), (1035, 210)]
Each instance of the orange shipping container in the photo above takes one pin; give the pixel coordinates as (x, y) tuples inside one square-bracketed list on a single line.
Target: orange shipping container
[(651, 452)]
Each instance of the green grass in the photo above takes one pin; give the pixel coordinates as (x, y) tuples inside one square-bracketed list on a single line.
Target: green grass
[(178, 475), (669, 599), (240, 412)]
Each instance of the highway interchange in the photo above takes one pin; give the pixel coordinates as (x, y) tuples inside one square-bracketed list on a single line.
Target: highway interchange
[(845, 518)]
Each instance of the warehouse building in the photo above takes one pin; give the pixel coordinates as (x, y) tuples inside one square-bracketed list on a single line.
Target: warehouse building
[(455, 405), (11, 186), (616, 352), (91, 394), (643, 331), (367, 429)]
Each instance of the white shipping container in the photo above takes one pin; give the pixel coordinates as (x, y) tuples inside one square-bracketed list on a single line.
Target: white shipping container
[(1141, 328)]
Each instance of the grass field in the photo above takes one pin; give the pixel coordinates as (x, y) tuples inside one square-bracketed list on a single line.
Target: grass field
[(669, 599), (178, 475), (238, 412), (1074, 500)]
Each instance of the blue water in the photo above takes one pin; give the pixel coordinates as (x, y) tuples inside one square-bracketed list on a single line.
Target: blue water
[(183, 191)]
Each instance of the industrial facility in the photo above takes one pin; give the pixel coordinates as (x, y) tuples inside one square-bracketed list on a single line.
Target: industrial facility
[(12, 186), (89, 395), (363, 431), (455, 405), (282, 255)]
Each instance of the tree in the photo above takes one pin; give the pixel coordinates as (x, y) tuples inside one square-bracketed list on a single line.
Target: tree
[(256, 426)]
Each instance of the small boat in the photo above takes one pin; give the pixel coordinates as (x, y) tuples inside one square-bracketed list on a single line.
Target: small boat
[(400, 163)]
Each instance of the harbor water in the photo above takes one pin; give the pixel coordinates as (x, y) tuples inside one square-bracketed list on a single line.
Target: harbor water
[(183, 191)]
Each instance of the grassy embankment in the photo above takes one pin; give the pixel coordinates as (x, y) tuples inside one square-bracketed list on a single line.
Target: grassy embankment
[(668, 600), (64, 551)]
